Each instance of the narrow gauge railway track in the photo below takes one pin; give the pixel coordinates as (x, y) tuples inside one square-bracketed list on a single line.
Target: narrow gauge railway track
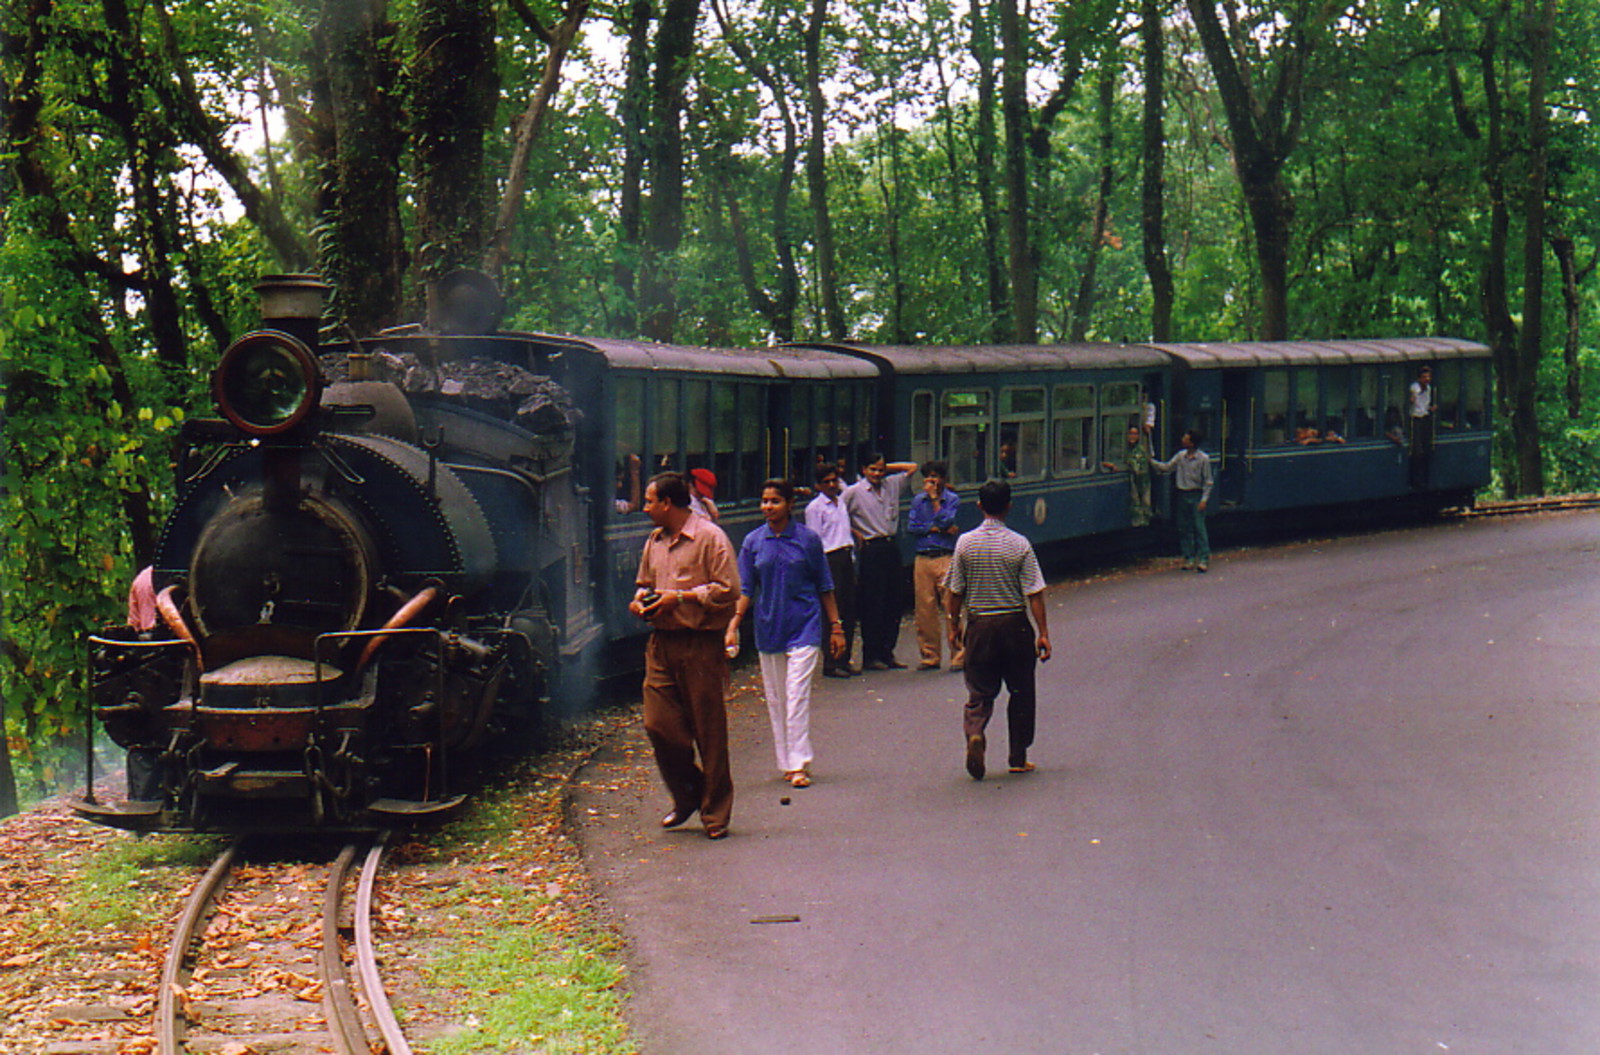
[(203, 1007), (1550, 504)]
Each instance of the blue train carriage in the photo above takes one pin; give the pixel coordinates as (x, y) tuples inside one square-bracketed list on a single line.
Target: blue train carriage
[(744, 415), (1306, 424), (1045, 417)]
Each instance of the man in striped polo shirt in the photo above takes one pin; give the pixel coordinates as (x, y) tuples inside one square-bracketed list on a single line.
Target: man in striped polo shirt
[(995, 572)]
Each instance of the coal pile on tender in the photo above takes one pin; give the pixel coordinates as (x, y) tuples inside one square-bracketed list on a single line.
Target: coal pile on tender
[(501, 390)]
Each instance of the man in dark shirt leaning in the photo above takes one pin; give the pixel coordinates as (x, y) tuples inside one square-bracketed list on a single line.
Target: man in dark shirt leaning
[(687, 586)]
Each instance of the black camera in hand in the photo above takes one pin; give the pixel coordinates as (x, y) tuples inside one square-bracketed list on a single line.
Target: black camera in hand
[(649, 600)]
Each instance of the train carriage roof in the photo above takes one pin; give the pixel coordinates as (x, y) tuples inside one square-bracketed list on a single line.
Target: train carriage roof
[(1306, 353), (999, 358), (789, 361)]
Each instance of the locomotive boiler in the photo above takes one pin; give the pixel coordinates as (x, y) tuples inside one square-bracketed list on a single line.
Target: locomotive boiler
[(355, 584)]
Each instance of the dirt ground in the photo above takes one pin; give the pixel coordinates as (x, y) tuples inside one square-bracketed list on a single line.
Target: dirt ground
[(74, 983)]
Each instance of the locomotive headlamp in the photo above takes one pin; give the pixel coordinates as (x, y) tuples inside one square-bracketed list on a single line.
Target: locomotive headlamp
[(267, 382)]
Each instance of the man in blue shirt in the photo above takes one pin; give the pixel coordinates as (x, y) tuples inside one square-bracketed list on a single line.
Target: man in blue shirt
[(784, 579), (932, 524)]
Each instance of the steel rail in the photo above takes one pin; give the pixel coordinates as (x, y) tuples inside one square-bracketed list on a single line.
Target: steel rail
[(1550, 504), (366, 958), (183, 936), (338, 1002)]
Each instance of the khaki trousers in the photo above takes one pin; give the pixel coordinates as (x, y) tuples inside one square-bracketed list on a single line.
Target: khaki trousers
[(927, 583)]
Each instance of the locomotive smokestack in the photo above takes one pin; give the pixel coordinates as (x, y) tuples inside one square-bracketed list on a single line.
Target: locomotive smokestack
[(293, 304)]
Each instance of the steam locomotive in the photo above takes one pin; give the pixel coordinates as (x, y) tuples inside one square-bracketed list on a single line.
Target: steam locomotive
[(355, 585), (389, 551)]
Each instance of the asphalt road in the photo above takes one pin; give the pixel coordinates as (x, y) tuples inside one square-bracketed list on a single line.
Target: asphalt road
[(1335, 797)]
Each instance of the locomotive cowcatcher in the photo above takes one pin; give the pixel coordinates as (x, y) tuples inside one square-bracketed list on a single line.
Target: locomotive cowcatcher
[(354, 585)]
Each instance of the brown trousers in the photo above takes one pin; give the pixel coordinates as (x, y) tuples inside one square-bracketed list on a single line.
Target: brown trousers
[(684, 679), (1002, 649)]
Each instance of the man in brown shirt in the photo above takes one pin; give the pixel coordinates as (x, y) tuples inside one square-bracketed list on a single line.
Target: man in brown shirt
[(688, 585)]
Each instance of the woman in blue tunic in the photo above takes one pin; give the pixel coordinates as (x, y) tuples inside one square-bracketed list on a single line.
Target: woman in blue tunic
[(784, 576)]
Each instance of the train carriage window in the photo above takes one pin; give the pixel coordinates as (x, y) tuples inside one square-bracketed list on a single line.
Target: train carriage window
[(1072, 425), (725, 441), (1275, 408), (753, 438), (921, 427), (1121, 408), (844, 432), (1336, 404), (1022, 432), (828, 399), (1447, 376), (799, 456), (865, 432), (964, 435), (1307, 425), (1367, 412), (1474, 394), (628, 393), (628, 396), (1395, 413), (697, 424), (664, 427)]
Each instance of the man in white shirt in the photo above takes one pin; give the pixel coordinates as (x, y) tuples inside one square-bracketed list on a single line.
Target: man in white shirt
[(827, 515), (1421, 400), (874, 504)]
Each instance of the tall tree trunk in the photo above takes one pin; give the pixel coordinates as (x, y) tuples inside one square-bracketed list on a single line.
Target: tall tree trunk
[(455, 87), (1264, 132), (1083, 304), (1014, 111), (186, 108), (8, 776), (25, 140), (525, 131), (1571, 278), (664, 223), (633, 114), (146, 140), (833, 320), (363, 249), (888, 168), (985, 148), (1541, 18), (777, 308), (1153, 189), (1502, 329)]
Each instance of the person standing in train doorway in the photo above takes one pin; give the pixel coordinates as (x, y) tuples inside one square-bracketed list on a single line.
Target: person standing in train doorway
[(687, 587), (932, 524), (1191, 467), (874, 505), (1137, 456), (995, 574), (1421, 401), (827, 516)]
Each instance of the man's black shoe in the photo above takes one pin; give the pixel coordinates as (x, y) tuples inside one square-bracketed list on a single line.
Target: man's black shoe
[(976, 745), (677, 816), (893, 664)]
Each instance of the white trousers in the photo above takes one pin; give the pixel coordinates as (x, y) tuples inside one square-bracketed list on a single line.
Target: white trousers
[(786, 677)]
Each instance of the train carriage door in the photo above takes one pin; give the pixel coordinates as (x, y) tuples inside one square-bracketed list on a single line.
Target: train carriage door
[(1234, 444)]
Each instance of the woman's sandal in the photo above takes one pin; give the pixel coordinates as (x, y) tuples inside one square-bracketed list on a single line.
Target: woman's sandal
[(800, 779)]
